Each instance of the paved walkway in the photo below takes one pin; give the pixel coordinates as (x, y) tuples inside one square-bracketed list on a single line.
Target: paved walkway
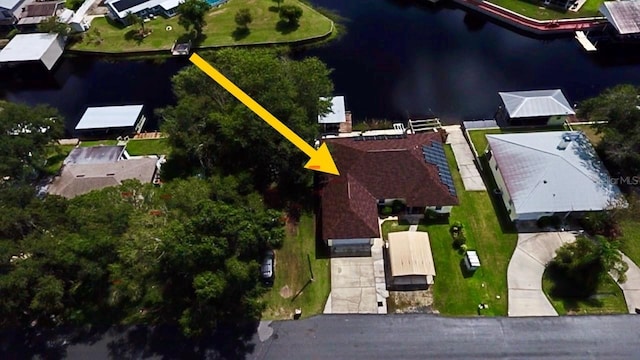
[(464, 158), (526, 267), (631, 287)]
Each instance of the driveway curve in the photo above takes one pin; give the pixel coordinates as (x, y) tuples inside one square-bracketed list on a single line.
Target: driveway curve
[(526, 267)]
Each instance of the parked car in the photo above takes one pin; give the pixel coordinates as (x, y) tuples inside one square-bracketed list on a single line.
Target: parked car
[(268, 267)]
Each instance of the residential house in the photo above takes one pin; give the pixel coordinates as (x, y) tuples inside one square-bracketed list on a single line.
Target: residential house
[(537, 107), (375, 171), (8, 10), (554, 173), (33, 48), (94, 168), (119, 9), (337, 120), (623, 15), (121, 120)]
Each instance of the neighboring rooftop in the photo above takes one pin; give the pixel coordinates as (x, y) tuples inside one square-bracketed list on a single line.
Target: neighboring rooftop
[(122, 7), (337, 113), (541, 176), (46, 48), (623, 15), (410, 254), (371, 170), (78, 179), (105, 117), (94, 155), (536, 103), (9, 4)]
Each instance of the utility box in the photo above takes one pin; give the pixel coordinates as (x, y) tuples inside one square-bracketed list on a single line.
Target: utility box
[(471, 260)]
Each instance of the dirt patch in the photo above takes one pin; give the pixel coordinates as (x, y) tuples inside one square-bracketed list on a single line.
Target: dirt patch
[(403, 302), (286, 292)]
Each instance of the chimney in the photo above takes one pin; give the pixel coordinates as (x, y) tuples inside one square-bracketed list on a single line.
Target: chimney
[(345, 127), (566, 139)]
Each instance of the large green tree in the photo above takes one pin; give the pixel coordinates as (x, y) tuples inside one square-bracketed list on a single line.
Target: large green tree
[(192, 13), (184, 254), (26, 132), (618, 107), (210, 131)]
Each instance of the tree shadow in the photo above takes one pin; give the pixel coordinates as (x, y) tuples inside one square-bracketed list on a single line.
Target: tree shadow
[(114, 23), (134, 35), (240, 33), (285, 27), (195, 38)]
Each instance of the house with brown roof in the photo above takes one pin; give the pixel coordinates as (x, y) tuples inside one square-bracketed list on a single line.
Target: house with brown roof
[(375, 171), (93, 168)]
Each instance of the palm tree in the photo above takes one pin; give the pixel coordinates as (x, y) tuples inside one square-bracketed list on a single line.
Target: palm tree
[(132, 18)]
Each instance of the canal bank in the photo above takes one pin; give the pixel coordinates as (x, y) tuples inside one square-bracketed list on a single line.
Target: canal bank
[(534, 26)]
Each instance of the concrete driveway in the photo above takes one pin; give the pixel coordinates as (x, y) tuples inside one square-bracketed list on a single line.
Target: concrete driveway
[(526, 267), (353, 287)]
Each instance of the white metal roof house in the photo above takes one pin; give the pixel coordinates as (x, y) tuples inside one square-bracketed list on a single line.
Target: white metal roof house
[(623, 15), (7, 11), (549, 173), (338, 119), (29, 48), (537, 107), (121, 120), (118, 9)]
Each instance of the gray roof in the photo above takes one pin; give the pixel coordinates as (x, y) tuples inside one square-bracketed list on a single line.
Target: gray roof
[(624, 15), (46, 48), (122, 7), (337, 113), (105, 117), (523, 104), (9, 4), (78, 179), (542, 178), (94, 155)]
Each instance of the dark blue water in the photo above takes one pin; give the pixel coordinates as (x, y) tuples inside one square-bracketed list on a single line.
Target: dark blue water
[(396, 58)]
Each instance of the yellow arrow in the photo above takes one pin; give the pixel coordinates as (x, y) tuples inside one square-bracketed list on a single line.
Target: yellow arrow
[(320, 160)]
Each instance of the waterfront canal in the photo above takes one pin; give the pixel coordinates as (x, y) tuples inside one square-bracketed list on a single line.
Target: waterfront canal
[(396, 58)]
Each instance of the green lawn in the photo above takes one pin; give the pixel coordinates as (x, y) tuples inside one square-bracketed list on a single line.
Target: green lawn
[(590, 132), (631, 240), (455, 293), (220, 30), (292, 275), (98, 142), (56, 156), (609, 299), (480, 141), (148, 147), (535, 10), (392, 226)]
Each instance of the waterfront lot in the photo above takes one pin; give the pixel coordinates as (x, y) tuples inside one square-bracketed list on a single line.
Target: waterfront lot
[(456, 292), (107, 36), (535, 11)]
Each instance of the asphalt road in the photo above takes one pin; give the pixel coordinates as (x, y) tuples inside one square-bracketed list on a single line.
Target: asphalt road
[(434, 337), (397, 337)]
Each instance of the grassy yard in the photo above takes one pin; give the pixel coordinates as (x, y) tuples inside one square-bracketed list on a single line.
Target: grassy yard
[(56, 156), (148, 147), (292, 288), (535, 10), (98, 142), (106, 36), (608, 299), (590, 132), (457, 293), (480, 141)]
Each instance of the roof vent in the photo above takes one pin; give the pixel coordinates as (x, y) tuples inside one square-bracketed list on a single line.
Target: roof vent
[(566, 139)]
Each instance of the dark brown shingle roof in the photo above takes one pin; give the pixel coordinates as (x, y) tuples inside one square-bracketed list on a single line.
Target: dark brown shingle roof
[(377, 169)]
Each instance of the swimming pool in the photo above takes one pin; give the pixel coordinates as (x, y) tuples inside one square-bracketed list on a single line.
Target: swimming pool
[(216, 2)]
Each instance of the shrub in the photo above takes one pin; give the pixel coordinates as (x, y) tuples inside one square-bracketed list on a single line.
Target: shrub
[(463, 248), (290, 13), (386, 210), (397, 206), (456, 227), (549, 221), (12, 33), (459, 241)]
